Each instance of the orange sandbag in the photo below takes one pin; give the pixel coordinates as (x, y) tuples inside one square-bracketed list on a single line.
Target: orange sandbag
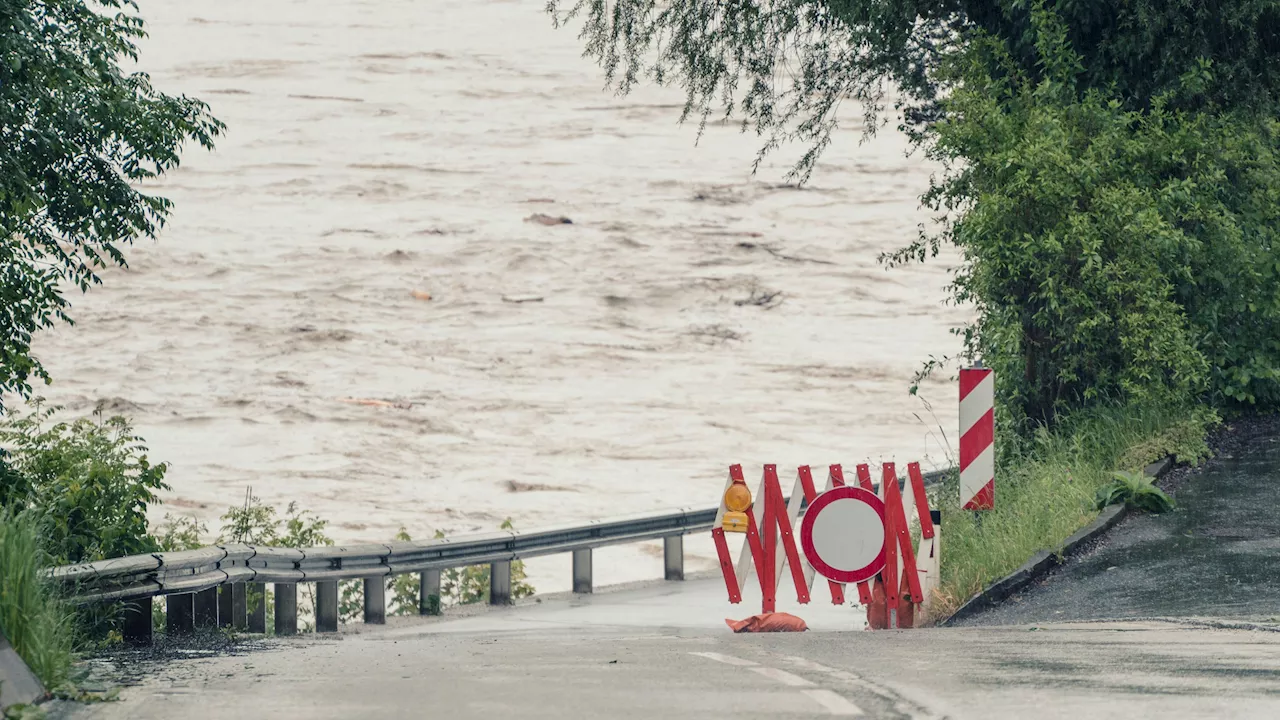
[(878, 611), (768, 622)]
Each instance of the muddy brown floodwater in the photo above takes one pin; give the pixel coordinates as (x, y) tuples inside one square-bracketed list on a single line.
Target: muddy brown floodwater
[(360, 234)]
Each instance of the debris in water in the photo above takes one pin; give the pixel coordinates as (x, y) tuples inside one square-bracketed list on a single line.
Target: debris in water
[(421, 294), (522, 298), (548, 219), (378, 403)]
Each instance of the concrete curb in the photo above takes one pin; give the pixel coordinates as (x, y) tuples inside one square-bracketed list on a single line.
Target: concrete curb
[(1044, 561), (18, 685)]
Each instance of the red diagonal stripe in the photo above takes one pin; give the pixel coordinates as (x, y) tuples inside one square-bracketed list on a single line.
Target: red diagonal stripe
[(985, 499), (979, 438), (970, 379)]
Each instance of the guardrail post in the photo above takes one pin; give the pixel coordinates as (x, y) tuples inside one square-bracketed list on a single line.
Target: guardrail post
[(206, 606), (327, 606), (257, 596), (429, 592), (286, 608), (500, 583), (582, 570), (375, 601), (224, 606), (239, 607), (673, 556), (180, 614), (136, 630)]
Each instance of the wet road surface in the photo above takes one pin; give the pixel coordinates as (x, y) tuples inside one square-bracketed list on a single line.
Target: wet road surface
[(642, 654), (1216, 556)]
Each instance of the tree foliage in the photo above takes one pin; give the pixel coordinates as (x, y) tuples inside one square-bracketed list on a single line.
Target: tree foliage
[(1110, 168), (77, 135)]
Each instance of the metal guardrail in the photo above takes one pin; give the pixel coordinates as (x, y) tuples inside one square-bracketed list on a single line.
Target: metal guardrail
[(211, 581)]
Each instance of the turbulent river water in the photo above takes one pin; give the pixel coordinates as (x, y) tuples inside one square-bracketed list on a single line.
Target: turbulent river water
[(361, 234)]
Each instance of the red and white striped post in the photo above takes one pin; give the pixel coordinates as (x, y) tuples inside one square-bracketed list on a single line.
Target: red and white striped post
[(977, 438)]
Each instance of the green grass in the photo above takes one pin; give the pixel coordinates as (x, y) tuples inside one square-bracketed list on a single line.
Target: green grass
[(36, 623), (1046, 488)]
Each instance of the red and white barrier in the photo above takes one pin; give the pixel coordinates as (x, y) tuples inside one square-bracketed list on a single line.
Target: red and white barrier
[(849, 546), (977, 439)]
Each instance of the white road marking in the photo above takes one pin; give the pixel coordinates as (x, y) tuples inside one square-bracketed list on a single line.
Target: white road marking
[(841, 675), (726, 659), (902, 705), (782, 676), (834, 703)]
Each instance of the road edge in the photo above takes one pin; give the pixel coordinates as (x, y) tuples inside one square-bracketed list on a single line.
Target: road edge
[(18, 685), (1043, 561)]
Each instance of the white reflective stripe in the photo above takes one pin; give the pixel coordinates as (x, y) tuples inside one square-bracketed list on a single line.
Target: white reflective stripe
[(833, 703), (804, 559), (793, 512), (978, 474), (782, 676), (726, 659), (976, 404), (745, 564)]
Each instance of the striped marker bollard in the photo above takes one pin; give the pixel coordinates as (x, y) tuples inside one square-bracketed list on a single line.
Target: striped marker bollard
[(977, 438)]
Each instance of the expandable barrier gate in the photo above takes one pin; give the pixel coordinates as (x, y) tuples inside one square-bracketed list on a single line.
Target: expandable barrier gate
[(876, 552)]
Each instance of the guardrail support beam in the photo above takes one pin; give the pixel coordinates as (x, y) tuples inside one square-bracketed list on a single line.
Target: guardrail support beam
[(136, 629), (286, 608), (429, 592), (224, 606), (500, 583), (206, 602), (582, 570), (673, 556), (327, 606), (180, 614), (257, 596), (239, 607), (375, 601)]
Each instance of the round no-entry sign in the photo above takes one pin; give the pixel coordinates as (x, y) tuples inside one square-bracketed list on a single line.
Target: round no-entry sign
[(843, 534)]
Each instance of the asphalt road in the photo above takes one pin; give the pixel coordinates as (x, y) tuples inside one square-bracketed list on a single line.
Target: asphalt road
[(664, 652), (1217, 555)]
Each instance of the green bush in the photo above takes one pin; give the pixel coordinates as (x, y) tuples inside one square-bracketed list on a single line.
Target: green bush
[(90, 481), (35, 622), (1111, 253)]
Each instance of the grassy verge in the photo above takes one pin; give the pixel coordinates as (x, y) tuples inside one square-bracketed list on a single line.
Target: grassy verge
[(34, 621), (1045, 488)]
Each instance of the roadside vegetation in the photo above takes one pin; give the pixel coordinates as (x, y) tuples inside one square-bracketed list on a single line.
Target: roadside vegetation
[(1108, 182), (35, 622), (1051, 487), (81, 491)]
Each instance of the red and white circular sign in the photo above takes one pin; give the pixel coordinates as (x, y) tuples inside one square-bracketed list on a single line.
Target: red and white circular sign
[(842, 534)]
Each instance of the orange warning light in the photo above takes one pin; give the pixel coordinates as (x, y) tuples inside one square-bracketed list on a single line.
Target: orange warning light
[(736, 501)]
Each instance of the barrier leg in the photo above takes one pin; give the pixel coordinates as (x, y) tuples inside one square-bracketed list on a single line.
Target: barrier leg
[(256, 596), (286, 621), (429, 592), (327, 606), (180, 614), (375, 601), (137, 622), (206, 605), (582, 571), (673, 556), (500, 583)]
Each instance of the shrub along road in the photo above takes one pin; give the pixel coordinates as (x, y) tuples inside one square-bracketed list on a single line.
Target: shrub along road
[(1217, 555)]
